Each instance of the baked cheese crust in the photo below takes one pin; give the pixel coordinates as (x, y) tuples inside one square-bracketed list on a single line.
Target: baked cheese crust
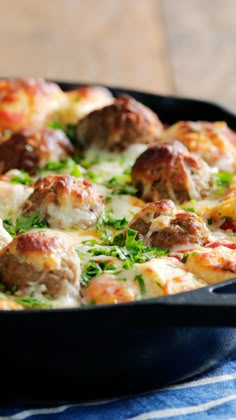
[(101, 203)]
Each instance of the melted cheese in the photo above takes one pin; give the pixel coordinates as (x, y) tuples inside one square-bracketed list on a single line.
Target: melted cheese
[(83, 229), (214, 264), (12, 198)]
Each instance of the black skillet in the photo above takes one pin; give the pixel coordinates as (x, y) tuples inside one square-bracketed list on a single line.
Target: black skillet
[(92, 353)]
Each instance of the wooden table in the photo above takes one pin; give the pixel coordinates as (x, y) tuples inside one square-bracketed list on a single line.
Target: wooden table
[(184, 47)]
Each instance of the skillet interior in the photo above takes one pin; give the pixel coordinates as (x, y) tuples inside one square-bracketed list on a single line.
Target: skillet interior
[(96, 353)]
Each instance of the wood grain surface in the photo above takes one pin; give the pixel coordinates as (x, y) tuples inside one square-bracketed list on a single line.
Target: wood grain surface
[(165, 46), (200, 41), (120, 42)]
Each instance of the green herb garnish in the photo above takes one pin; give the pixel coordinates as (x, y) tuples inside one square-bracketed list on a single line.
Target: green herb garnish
[(121, 184), (108, 219), (23, 224), (132, 251), (189, 209), (92, 302), (69, 129), (185, 257), (108, 199), (93, 175), (223, 179), (31, 302), (141, 283), (92, 269), (24, 178), (210, 221), (56, 125), (67, 164)]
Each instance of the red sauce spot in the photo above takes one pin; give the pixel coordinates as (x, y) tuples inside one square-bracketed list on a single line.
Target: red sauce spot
[(10, 116), (230, 245), (228, 224)]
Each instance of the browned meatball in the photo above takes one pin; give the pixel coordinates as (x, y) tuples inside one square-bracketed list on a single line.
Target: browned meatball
[(65, 202), (162, 224), (41, 263), (168, 170), (31, 149), (118, 125)]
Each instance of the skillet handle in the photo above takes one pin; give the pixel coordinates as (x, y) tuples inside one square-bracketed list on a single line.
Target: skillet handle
[(214, 305), (223, 293)]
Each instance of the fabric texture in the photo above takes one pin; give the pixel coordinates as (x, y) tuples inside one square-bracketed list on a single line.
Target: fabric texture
[(209, 396)]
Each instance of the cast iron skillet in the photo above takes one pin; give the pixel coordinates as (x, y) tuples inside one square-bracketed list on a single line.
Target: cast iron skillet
[(77, 355)]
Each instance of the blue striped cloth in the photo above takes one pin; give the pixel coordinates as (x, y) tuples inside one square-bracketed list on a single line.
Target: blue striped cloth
[(209, 396)]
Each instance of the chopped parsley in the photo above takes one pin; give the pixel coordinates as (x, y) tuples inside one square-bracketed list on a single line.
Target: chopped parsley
[(24, 178), (56, 125), (185, 257), (210, 221), (121, 184), (92, 269), (93, 175), (189, 209), (109, 252), (137, 251), (223, 179), (7, 132), (110, 267), (10, 292), (92, 302), (119, 223), (2, 287), (95, 269), (23, 224), (108, 219), (130, 251), (69, 129), (141, 283), (31, 302), (10, 227), (106, 236), (67, 164), (118, 239), (108, 199), (83, 161)]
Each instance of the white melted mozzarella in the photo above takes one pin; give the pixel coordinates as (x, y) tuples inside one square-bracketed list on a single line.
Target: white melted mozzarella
[(125, 206), (157, 277), (12, 198)]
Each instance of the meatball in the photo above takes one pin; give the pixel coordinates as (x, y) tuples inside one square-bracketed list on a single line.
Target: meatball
[(214, 142), (33, 149), (162, 224), (65, 202), (27, 102), (41, 264), (118, 125), (81, 101), (168, 170)]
